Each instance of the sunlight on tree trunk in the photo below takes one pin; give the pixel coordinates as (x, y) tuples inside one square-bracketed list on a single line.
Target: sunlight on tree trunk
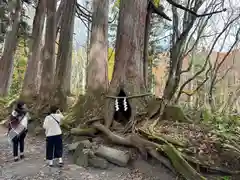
[(30, 86), (10, 45)]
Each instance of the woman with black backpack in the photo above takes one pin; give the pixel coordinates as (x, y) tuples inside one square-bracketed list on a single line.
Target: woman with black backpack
[(17, 129)]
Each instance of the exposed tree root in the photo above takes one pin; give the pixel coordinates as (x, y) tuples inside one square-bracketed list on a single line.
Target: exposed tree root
[(146, 140), (162, 138), (180, 164), (83, 132), (134, 140)]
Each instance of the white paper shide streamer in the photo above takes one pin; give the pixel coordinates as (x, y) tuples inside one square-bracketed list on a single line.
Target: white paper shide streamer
[(116, 105), (125, 104)]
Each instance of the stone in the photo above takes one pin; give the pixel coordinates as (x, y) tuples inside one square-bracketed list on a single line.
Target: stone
[(81, 151), (98, 162), (80, 145), (114, 156), (81, 158), (73, 146)]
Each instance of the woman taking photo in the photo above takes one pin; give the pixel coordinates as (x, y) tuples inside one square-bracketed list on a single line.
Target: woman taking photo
[(54, 147)]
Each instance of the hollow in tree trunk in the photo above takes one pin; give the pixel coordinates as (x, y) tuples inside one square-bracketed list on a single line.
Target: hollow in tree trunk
[(128, 68), (30, 86), (7, 59)]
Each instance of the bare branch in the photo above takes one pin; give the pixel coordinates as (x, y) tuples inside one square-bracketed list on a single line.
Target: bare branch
[(81, 12), (207, 58), (159, 11), (172, 2)]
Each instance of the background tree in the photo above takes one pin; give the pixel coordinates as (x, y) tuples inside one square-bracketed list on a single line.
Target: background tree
[(48, 59), (10, 45), (64, 58), (30, 84), (97, 75)]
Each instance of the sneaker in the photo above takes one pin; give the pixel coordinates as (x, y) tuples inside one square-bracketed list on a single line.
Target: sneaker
[(15, 159), (22, 156), (60, 162), (50, 163)]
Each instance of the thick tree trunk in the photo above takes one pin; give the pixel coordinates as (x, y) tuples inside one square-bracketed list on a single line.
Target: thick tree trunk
[(10, 45), (128, 69), (30, 86), (63, 65), (90, 105), (97, 74), (47, 78)]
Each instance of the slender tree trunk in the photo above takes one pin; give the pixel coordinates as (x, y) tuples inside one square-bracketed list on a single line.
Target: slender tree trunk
[(128, 68), (97, 74), (59, 15), (47, 78), (10, 45), (30, 86), (63, 65)]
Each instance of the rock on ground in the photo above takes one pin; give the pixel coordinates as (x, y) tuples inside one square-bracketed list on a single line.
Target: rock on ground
[(115, 156)]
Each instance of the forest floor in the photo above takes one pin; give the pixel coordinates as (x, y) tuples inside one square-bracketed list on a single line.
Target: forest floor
[(33, 167)]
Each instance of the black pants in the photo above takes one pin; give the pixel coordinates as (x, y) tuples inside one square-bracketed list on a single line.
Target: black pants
[(19, 140), (54, 147)]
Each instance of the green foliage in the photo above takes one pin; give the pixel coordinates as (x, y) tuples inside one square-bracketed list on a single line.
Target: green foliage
[(225, 178), (19, 70), (156, 3), (222, 123)]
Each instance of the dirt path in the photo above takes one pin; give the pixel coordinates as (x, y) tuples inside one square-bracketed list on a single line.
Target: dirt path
[(33, 166)]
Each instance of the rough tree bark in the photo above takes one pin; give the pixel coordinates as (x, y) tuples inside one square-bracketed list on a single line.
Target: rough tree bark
[(30, 86), (10, 45), (47, 78), (128, 68), (97, 74), (63, 64), (90, 104)]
